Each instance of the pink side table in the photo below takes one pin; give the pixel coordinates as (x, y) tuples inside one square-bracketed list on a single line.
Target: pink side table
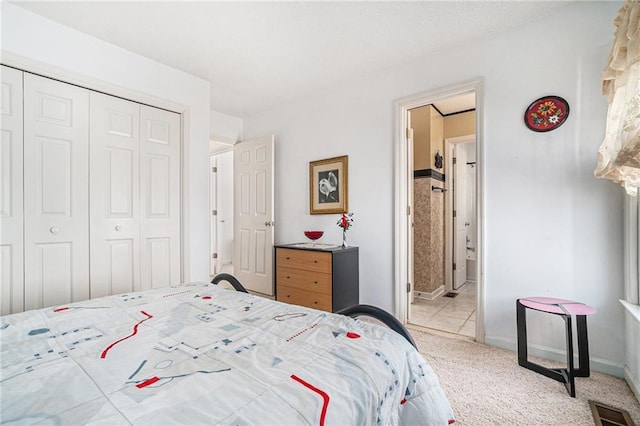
[(565, 309)]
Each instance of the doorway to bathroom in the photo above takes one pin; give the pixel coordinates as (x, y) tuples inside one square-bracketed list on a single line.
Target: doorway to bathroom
[(443, 220)]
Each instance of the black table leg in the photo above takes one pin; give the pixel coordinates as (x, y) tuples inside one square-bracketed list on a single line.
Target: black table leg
[(583, 347), (564, 375)]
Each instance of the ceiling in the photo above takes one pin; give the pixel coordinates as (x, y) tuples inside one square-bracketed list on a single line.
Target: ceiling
[(258, 55), (456, 104)]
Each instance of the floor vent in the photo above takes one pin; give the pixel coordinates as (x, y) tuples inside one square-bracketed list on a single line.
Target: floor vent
[(451, 294), (605, 415)]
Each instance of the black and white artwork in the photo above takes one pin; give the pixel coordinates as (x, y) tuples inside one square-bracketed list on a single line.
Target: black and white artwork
[(328, 187)]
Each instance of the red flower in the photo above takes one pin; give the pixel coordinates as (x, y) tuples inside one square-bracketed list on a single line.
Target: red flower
[(345, 221)]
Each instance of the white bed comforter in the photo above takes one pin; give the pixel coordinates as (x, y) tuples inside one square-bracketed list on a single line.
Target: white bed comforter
[(200, 354)]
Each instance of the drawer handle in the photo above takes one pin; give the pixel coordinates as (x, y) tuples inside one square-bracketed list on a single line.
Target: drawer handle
[(315, 303), (315, 261), (54, 229), (287, 258), (288, 277), (288, 295)]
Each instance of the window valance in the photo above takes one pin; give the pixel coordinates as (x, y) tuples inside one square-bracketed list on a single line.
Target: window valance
[(619, 154)]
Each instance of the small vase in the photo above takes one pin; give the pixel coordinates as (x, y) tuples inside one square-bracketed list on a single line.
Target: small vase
[(344, 238)]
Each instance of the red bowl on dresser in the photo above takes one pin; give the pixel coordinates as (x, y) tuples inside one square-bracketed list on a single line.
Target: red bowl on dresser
[(313, 235)]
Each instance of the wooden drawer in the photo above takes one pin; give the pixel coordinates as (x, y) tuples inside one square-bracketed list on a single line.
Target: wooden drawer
[(303, 259), (309, 299), (304, 280)]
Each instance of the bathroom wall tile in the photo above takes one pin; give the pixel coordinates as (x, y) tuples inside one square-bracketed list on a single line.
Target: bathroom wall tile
[(421, 231), (428, 235)]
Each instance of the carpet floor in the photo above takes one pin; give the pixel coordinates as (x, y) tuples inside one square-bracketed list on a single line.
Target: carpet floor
[(485, 386)]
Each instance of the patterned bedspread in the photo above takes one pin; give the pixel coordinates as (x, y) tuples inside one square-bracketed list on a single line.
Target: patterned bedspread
[(201, 354)]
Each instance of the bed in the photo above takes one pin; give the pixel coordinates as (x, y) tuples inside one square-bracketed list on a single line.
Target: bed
[(203, 354)]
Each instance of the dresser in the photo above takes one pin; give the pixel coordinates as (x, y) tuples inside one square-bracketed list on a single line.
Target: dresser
[(321, 277)]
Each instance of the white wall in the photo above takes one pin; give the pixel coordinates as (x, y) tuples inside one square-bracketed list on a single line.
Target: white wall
[(551, 228), (227, 128), (39, 45)]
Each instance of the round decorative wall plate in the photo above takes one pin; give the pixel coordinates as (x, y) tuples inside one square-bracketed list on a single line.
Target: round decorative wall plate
[(547, 113)]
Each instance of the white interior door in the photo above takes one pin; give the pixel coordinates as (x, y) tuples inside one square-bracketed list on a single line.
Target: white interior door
[(115, 195), (11, 214), (471, 218), (459, 217), (159, 197), (56, 192), (253, 214)]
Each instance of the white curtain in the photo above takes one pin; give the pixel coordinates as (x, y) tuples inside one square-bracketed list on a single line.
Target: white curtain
[(619, 154)]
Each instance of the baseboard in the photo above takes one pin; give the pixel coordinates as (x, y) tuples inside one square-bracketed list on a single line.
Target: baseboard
[(596, 364), (429, 296), (635, 387)]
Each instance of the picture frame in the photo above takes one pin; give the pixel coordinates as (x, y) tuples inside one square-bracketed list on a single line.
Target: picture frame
[(546, 113), (328, 185)]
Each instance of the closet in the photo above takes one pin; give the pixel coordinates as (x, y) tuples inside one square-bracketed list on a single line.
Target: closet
[(90, 194)]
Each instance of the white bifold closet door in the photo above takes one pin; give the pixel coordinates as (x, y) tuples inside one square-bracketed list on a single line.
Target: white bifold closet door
[(56, 192), (11, 216), (115, 195), (159, 197), (90, 194), (135, 196)]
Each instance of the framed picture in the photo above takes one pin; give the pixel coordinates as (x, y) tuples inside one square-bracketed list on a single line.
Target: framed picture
[(328, 185), (546, 114)]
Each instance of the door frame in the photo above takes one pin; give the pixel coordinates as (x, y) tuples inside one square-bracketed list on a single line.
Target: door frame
[(448, 209), (403, 208)]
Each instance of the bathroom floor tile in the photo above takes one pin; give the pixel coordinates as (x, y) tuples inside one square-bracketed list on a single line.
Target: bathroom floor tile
[(446, 323), (468, 329), (456, 312), (450, 314)]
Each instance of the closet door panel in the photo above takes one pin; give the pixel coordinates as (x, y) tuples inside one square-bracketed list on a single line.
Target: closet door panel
[(11, 213), (115, 195), (160, 197), (56, 188)]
